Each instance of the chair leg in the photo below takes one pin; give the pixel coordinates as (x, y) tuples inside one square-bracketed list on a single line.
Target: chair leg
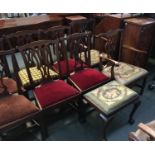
[(135, 107), (81, 111), (143, 86), (43, 128), (107, 121)]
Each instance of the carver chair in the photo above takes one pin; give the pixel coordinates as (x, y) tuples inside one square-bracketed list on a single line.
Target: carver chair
[(145, 132), (124, 73), (15, 109)]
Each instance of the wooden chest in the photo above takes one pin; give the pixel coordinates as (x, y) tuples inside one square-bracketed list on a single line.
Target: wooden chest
[(139, 34)]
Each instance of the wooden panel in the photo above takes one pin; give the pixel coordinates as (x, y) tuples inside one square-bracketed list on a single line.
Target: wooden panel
[(138, 33), (16, 24)]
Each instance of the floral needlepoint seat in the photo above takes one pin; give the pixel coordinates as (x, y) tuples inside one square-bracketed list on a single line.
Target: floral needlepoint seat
[(126, 73), (94, 57), (110, 98)]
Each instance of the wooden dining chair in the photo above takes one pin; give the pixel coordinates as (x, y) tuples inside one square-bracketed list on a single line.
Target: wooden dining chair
[(82, 77), (29, 75), (51, 93), (15, 109), (21, 38)]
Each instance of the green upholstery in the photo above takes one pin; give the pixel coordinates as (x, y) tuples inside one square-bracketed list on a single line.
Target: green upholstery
[(126, 73), (110, 96), (36, 75), (94, 56)]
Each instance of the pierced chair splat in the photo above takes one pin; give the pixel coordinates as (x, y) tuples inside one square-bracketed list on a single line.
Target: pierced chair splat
[(51, 93)]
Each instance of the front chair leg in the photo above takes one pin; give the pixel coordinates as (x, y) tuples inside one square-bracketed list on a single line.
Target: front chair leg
[(43, 128), (81, 111), (135, 107), (143, 86)]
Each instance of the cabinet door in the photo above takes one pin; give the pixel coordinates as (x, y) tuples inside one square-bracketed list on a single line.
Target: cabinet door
[(131, 35), (133, 57), (146, 37)]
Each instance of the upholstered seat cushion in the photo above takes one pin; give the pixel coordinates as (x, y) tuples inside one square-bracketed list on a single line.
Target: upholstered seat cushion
[(14, 108), (63, 65), (126, 73), (36, 75), (87, 78), (110, 96), (94, 55), (10, 84), (54, 92)]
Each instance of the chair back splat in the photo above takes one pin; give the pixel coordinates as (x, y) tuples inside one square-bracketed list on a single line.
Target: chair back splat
[(55, 32), (38, 56)]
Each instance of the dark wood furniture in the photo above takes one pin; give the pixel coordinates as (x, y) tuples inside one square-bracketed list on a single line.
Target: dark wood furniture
[(51, 93), (110, 22), (76, 23), (28, 23), (109, 99), (29, 76), (20, 38), (15, 109), (79, 74), (137, 40), (124, 73)]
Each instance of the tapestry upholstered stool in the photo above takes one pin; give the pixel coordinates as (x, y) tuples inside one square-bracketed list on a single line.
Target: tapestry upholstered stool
[(110, 99)]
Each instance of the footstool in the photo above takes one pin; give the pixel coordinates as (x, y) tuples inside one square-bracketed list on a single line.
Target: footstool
[(110, 99)]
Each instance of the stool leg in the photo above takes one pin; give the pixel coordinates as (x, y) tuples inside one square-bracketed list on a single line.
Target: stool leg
[(107, 121), (135, 107)]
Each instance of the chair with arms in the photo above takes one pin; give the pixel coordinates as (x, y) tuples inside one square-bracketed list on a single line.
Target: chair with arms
[(15, 109), (51, 93), (124, 73), (145, 132)]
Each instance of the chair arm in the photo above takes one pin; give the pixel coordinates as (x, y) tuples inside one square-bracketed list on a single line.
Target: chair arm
[(111, 61), (134, 49), (83, 46), (101, 37), (147, 130)]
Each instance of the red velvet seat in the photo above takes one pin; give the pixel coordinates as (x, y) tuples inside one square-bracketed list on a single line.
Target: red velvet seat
[(54, 93), (71, 64), (87, 78)]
